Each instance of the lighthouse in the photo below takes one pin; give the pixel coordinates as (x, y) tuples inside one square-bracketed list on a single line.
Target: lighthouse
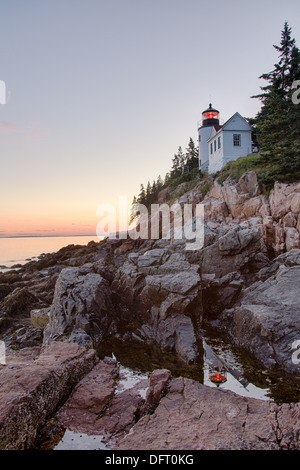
[(210, 118)]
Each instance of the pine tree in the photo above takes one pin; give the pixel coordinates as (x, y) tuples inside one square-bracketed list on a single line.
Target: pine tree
[(159, 184), (294, 68), (176, 169), (153, 193), (278, 122), (133, 214), (280, 79), (148, 194), (142, 196), (167, 178), (192, 156), (182, 158)]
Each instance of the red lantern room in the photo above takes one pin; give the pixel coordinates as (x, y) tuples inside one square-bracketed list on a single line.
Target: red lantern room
[(210, 117)]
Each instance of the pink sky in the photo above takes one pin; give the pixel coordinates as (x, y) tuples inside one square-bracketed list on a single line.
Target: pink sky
[(101, 94)]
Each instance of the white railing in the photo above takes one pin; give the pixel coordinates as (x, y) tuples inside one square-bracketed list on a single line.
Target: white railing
[(199, 123)]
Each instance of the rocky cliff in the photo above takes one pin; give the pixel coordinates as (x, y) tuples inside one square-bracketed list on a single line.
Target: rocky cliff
[(244, 282)]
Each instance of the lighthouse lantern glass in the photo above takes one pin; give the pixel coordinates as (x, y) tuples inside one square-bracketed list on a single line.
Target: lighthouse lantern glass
[(211, 115)]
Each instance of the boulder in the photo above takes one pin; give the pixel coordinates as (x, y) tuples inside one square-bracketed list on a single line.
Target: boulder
[(231, 251), (192, 416), (236, 240), (235, 195), (215, 210), (219, 293), (24, 337), (279, 245), (33, 387), (179, 283), (292, 238), (290, 220), (82, 300), (5, 289), (96, 408), (39, 318), (266, 322), (291, 258), (284, 198), (90, 397), (256, 206), (175, 333), (152, 257), (158, 387), (174, 305), (162, 290), (276, 216), (18, 303)]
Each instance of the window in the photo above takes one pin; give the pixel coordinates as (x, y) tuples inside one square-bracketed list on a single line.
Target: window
[(211, 148), (219, 142), (215, 145), (236, 140)]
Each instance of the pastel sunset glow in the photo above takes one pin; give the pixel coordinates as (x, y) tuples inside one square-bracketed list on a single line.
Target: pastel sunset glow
[(100, 95)]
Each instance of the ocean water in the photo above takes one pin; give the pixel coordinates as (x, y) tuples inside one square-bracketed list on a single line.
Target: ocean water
[(15, 251)]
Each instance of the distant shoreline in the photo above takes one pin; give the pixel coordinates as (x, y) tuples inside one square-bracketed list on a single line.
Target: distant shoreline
[(16, 250), (48, 236)]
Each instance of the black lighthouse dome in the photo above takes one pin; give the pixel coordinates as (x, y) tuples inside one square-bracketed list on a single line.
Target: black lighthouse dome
[(210, 117)]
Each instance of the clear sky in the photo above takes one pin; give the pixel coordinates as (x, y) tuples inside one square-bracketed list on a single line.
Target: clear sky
[(101, 93)]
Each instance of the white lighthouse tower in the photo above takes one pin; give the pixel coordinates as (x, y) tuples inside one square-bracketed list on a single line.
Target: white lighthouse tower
[(210, 118)]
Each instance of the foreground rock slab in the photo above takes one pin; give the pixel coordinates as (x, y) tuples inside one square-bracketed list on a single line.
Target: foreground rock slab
[(96, 408), (33, 385), (192, 416), (66, 387), (266, 322)]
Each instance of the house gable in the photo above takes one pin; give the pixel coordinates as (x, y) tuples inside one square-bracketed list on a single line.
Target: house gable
[(236, 123)]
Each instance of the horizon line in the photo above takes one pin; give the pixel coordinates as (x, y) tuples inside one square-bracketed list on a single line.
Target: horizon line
[(48, 236)]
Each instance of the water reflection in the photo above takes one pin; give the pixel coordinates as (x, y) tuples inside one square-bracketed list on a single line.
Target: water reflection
[(80, 441), (244, 375)]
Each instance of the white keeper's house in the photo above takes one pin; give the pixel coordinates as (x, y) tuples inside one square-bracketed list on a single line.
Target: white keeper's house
[(219, 144)]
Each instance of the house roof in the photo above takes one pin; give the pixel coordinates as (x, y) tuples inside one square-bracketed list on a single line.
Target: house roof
[(210, 109), (218, 129)]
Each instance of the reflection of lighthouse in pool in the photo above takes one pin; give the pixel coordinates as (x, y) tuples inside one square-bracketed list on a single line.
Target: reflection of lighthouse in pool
[(210, 118), (217, 368), (218, 377)]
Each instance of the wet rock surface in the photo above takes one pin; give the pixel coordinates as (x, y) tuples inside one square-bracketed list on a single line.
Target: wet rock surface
[(267, 320), (193, 416), (167, 413), (33, 384), (244, 282)]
